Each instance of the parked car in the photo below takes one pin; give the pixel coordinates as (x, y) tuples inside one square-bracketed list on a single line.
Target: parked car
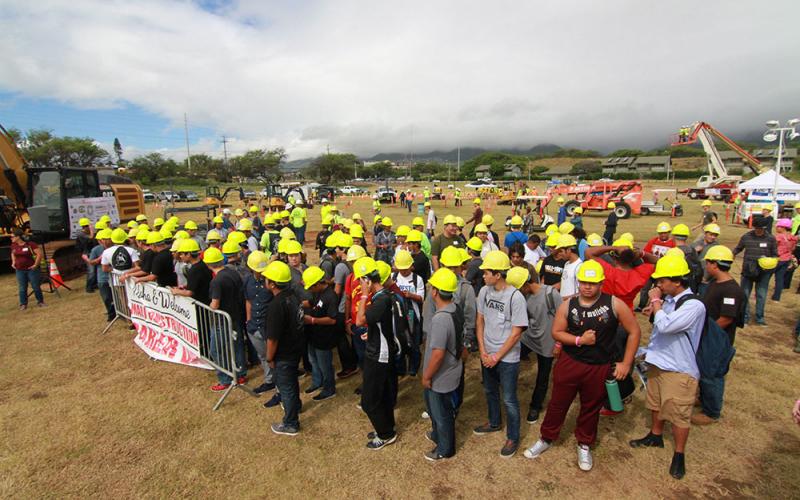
[(167, 196), (388, 195), (187, 196), (351, 190), (250, 195), (148, 195)]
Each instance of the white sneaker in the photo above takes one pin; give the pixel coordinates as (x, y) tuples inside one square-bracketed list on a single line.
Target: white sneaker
[(584, 457), (425, 415), (537, 449)]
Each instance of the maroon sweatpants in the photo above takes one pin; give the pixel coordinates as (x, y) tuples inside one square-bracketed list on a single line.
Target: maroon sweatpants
[(571, 377)]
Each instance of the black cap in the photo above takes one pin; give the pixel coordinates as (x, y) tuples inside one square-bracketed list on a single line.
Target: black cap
[(760, 222)]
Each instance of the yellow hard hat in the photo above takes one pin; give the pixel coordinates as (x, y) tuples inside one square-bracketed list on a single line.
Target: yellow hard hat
[(767, 207), (213, 236), (188, 246), (459, 221), (331, 240), (356, 231), (355, 252), (282, 245), (518, 276), (414, 236), (450, 257), (105, 217), (84, 221), (101, 224), (611, 205), (577, 210), (444, 280), (417, 222), (347, 223), (538, 265), (384, 270), (356, 216), (344, 240), (550, 229), (475, 244), (190, 225), (663, 227), (594, 240), (245, 225), (333, 208), (465, 257), (285, 213), (516, 220), (238, 212), (253, 209), (767, 263), (175, 245), (119, 236), (476, 201), (154, 238), (674, 252), (488, 220), (719, 252), (181, 235), (158, 222), (622, 242), (706, 203), (326, 221), (278, 272), (427, 204), (364, 266), (269, 219), (230, 247), (311, 276), (218, 220), (132, 224), (552, 240), (401, 231), (566, 227), (627, 236), (797, 205), (566, 241), (293, 247), (681, 230), (141, 218), (496, 261), (174, 219), (212, 256), (141, 235), (711, 228), (376, 219), (671, 266), (237, 237), (403, 259), (481, 228), (560, 200), (103, 234), (133, 232), (591, 271), (450, 219), (386, 221), (287, 234)]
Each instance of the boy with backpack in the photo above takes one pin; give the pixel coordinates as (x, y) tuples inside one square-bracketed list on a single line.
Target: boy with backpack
[(443, 365), (412, 287)]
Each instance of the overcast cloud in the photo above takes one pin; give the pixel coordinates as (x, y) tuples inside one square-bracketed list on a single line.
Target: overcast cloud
[(410, 76)]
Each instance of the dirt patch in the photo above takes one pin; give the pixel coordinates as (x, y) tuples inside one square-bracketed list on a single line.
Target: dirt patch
[(38, 395)]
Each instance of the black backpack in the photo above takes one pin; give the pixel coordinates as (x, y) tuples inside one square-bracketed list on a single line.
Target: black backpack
[(121, 259), (400, 325), (715, 351)]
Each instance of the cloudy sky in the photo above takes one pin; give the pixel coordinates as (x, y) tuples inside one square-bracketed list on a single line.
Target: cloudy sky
[(367, 76)]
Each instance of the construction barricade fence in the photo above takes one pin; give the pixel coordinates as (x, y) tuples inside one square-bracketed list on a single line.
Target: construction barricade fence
[(180, 329)]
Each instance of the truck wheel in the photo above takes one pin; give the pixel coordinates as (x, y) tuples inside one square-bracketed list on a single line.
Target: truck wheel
[(623, 211), (645, 211), (692, 195), (678, 211), (570, 207)]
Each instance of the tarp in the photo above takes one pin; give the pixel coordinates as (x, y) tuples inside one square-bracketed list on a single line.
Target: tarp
[(767, 181)]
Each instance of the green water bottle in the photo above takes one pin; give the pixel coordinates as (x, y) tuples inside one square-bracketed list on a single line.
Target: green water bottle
[(614, 398)]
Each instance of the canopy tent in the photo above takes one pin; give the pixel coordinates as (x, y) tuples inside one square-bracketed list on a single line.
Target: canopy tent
[(759, 193), (766, 182)]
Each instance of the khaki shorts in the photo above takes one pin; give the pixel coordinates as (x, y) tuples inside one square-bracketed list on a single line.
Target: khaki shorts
[(671, 394)]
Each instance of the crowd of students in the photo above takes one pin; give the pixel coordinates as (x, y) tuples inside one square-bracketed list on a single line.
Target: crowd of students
[(418, 301)]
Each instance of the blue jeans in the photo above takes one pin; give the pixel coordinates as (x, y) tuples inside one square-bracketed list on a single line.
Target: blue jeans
[(358, 344), (300, 233), (711, 392), (239, 355), (108, 300), (780, 277), (31, 276), (443, 420), (91, 278), (762, 284), (289, 389), (322, 369), (503, 375)]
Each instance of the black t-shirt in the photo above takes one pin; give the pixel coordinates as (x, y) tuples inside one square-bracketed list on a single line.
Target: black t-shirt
[(283, 317), (164, 268), (379, 322), (324, 305), (84, 243), (725, 299), (228, 289), (146, 260), (552, 269), (198, 280), (599, 317), (422, 266)]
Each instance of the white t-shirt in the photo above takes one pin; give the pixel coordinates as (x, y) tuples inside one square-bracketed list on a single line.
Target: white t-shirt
[(569, 278), (533, 256), (105, 257), (488, 246), (406, 284), (431, 220)]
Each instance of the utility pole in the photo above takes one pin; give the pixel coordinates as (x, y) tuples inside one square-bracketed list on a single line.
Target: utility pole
[(458, 161), (224, 142), (188, 154)]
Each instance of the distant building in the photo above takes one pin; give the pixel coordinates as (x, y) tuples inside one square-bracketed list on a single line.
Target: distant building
[(483, 170), (768, 157), (732, 160), (636, 165), (560, 171), (512, 170), (618, 165)]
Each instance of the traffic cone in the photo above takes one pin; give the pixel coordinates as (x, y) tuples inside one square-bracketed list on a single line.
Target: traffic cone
[(55, 276)]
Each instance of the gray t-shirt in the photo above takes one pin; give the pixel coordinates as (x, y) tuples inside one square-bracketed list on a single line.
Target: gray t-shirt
[(501, 311), (340, 274), (443, 336), (541, 310)]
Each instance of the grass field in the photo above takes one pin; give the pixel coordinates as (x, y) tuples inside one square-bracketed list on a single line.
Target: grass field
[(85, 415)]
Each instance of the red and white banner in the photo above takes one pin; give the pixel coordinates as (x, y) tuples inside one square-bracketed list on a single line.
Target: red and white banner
[(166, 324)]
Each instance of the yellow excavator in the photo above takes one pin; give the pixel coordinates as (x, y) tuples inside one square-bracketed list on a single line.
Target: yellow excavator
[(35, 199)]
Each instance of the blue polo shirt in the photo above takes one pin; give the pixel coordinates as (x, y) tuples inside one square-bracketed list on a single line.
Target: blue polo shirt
[(514, 237), (676, 336)]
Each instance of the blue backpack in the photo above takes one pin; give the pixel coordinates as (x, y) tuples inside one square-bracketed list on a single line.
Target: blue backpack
[(715, 352)]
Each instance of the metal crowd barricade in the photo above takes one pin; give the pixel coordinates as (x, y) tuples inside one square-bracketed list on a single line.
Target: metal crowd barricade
[(120, 297), (221, 346)]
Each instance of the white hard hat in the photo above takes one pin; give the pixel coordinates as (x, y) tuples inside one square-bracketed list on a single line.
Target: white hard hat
[(288, 206), (226, 211), (324, 200)]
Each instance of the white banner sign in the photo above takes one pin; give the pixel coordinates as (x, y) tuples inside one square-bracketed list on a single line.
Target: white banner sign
[(166, 324), (91, 208)]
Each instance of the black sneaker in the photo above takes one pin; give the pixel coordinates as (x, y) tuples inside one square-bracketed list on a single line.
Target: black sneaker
[(485, 429), (347, 373), (284, 430), (509, 449), (650, 440), (312, 389), (378, 443), (265, 387), (677, 468), (432, 456), (322, 396), (533, 416), (275, 401)]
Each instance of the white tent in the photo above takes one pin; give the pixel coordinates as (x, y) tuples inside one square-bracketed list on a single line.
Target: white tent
[(766, 182)]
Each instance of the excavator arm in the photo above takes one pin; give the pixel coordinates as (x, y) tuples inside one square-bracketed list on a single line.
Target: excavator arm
[(14, 178)]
